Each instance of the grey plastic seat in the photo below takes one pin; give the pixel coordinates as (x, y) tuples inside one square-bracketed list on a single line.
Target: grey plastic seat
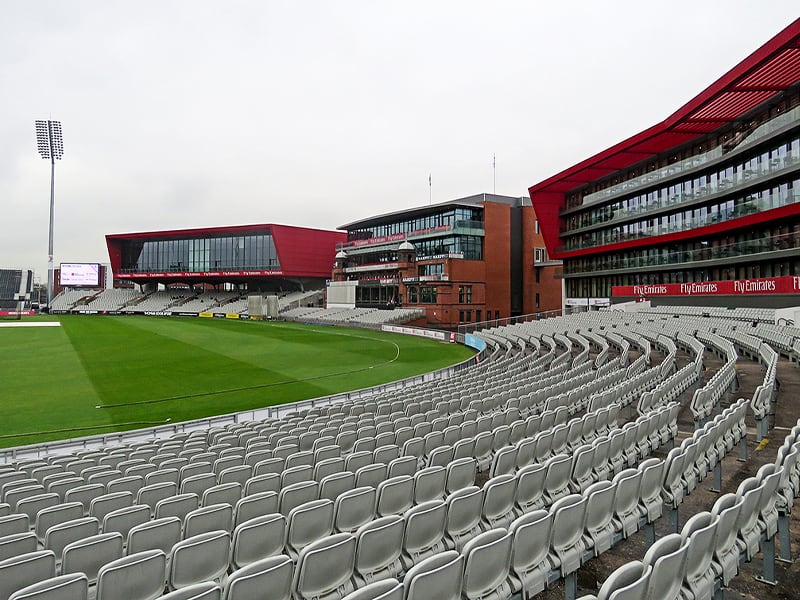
[(212, 517), (651, 505), (129, 483), (750, 491), (17, 543), (626, 505), (255, 505), (463, 516), (386, 589), (26, 569), (31, 505), (557, 478), (357, 460), (439, 577), (53, 515), (354, 508), (667, 557), (424, 531), (379, 548), (328, 466), (124, 519), (158, 534), (106, 503), (530, 487), (268, 482), (324, 569), (487, 564), (530, 546), (582, 468), (569, 521), (198, 483), (223, 493), (297, 494), (258, 538), (430, 484), (460, 474), (198, 559), (151, 494), (499, 494), (770, 475), (333, 485), (58, 536), (627, 582), (726, 551), (273, 573), (600, 499), (73, 586), (504, 461), (85, 494), (14, 523), (138, 576), (89, 554), (403, 465), (394, 496), (198, 591), (699, 534), (308, 523), (177, 506), (297, 474)]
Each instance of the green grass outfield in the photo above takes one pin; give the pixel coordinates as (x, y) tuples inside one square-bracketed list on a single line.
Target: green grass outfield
[(142, 371)]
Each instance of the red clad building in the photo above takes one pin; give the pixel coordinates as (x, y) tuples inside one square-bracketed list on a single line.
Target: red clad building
[(256, 257), (704, 204)]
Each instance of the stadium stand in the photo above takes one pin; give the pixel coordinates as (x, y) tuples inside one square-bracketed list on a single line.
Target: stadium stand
[(559, 445)]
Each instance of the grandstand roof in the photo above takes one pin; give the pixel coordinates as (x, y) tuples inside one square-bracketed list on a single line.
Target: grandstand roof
[(419, 211), (770, 70)]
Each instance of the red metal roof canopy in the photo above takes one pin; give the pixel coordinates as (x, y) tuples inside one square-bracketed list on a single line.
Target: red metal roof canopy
[(771, 69)]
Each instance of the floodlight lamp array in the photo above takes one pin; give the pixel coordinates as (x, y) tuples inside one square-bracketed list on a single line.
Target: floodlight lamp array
[(49, 140)]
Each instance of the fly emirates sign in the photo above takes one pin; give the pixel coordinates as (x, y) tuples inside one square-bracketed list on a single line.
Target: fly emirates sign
[(737, 287)]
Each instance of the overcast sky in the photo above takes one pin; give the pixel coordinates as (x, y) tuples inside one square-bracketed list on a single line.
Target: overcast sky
[(195, 113)]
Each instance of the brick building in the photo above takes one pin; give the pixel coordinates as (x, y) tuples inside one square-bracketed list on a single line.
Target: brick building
[(470, 260)]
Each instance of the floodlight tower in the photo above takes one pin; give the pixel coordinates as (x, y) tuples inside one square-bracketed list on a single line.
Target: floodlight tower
[(51, 146)]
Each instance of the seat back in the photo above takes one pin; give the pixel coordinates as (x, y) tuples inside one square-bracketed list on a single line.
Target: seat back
[(499, 494), (258, 538), (387, 589), (308, 523), (463, 515), (89, 554), (297, 494), (333, 485), (58, 536), (354, 508), (73, 586), (124, 519), (138, 576), (460, 474), (699, 534), (487, 563), (424, 527), (628, 582), (667, 557), (439, 576), (429, 484), (198, 559), (198, 591), (212, 517), (273, 573), (158, 534), (569, 518), (559, 471), (395, 496), (325, 566), (53, 515), (379, 545), (177, 506), (529, 548)]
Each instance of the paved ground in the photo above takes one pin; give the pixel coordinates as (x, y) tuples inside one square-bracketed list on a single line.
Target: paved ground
[(744, 586)]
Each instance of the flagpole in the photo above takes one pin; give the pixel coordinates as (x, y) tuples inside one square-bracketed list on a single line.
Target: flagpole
[(494, 173), (430, 190)]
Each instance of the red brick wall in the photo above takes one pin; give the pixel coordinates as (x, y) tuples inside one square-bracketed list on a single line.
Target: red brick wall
[(548, 288)]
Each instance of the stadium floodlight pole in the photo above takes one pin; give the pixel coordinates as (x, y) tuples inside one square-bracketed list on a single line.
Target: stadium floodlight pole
[(51, 146)]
